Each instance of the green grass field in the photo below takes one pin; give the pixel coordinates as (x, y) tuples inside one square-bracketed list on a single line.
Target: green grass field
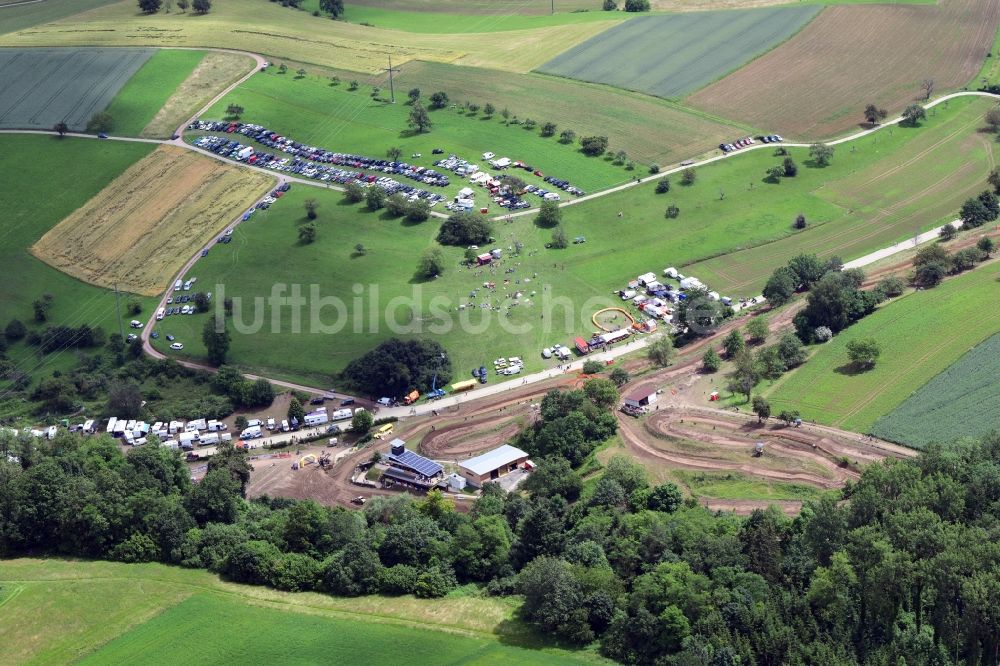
[(921, 334), (313, 111), (147, 91), (265, 252), (650, 129), (444, 23), (877, 191), (54, 177), (736, 486), (45, 86), (106, 612), (962, 399), (673, 55), (25, 16)]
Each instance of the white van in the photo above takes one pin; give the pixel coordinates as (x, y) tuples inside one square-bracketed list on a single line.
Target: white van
[(160, 313), (270, 424), (253, 432), (216, 426), (199, 424), (188, 438), (177, 285), (284, 425), (209, 438), (254, 422), (225, 437), (135, 323)]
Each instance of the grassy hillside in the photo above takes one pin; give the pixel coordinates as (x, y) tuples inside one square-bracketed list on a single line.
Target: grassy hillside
[(921, 334), (104, 612)]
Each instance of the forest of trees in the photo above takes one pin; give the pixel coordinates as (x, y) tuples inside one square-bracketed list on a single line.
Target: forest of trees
[(905, 572)]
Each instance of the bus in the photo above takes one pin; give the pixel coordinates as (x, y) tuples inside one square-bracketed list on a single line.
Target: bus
[(383, 431)]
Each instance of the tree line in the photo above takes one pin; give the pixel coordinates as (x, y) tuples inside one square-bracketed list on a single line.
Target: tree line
[(901, 567)]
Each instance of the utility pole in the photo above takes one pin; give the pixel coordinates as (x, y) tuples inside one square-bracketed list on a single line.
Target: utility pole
[(392, 92), (118, 309)]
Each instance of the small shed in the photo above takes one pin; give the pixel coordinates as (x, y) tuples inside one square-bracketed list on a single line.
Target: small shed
[(643, 396)]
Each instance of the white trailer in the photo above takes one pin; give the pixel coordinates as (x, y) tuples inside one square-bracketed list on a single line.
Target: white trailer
[(199, 424), (176, 427), (316, 418), (216, 426), (188, 438), (225, 437), (342, 415), (171, 444), (111, 425)]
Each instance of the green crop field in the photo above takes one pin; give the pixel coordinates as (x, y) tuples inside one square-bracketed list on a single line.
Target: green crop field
[(673, 55), (111, 613), (25, 16), (44, 86), (445, 23), (962, 399), (313, 111), (877, 191), (54, 177), (921, 334), (138, 102)]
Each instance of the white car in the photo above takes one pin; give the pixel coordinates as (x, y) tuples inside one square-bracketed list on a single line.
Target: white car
[(178, 346), (546, 353), (488, 156)]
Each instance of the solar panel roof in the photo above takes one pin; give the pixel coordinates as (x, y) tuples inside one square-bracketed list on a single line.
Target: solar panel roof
[(416, 462)]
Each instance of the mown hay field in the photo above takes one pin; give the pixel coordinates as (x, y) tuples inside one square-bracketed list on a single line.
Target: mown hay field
[(675, 54), (42, 87), (920, 334), (139, 230), (109, 612), (817, 83), (962, 399), (26, 15), (214, 73), (142, 97), (266, 27)]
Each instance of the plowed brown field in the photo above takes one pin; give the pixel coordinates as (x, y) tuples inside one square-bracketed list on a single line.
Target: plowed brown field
[(817, 84), (139, 230)]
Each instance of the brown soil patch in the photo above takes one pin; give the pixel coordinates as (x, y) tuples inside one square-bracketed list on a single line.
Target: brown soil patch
[(141, 229), (817, 83), (213, 74)]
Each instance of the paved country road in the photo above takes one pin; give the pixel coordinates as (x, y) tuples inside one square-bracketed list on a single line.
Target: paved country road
[(490, 389)]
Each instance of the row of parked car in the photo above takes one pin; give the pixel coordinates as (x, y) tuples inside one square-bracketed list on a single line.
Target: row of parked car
[(749, 141), (286, 145), (235, 150)]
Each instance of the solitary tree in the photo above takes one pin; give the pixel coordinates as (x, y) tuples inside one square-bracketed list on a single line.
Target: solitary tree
[(688, 176), (332, 7), (296, 410), (439, 100), (489, 110), (986, 245), (548, 129), (672, 212), (746, 373), (559, 239), (790, 168), (394, 153), (362, 422), (993, 118), (375, 198), (61, 127), (821, 154), (360, 250), (913, 114), (875, 115), (354, 192), (762, 408), (182, 5), (609, 6), (567, 136), (756, 330), (619, 376), (928, 87), (775, 173), (431, 263), (215, 335), (663, 186), (100, 122), (734, 343), (150, 6), (201, 6), (300, 73), (864, 352), (234, 111), (311, 206), (711, 361), (549, 214), (660, 350), (419, 119), (800, 221), (307, 233)]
